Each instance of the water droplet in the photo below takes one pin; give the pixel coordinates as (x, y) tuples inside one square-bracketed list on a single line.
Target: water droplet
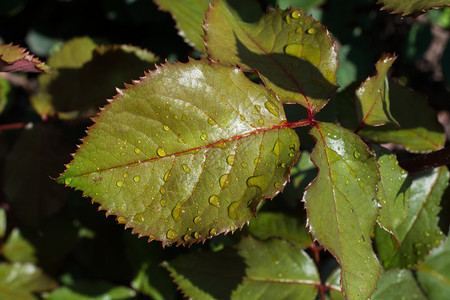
[(277, 185), (233, 210), (166, 176), (242, 118), (186, 168), (257, 181), (161, 152), (312, 30), (214, 200), (272, 108), (177, 211), (171, 234), (139, 217), (244, 165), (261, 121), (295, 50), (231, 159), (288, 19), (427, 234), (136, 178), (361, 184), (276, 149), (163, 202), (356, 154), (232, 228), (256, 161), (119, 183), (283, 165), (346, 182), (211, 122), (203, 137), (186, 238), (213, 231), (162, 189), (125, 175), (223, 181), (197, 219), (67, 181), (166, 127), (196, 235), (417, 245), (295, 14), (122, 220)]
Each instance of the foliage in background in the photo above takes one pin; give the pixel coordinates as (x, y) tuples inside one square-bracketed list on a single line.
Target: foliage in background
[(59, 247)]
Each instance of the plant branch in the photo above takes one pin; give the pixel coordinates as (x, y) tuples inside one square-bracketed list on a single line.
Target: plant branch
[(427, 161), (12, 126)]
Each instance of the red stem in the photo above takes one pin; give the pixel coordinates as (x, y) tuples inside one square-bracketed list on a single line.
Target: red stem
[(11, 126)]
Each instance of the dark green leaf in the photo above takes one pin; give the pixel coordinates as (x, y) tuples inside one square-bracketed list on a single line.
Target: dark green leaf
[(372, 97), (92, 290), (20, 281), (397, 284), (17, 59), (411, 7), (5, 89), (341, 205), (3, 222), (277, 225), (418, 230), (294, 54), (434, 273), (334, 283), (419, 128), (302, 173), (37, 156), (185, 163)]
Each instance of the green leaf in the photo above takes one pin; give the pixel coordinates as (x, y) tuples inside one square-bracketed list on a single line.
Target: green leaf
[(372, 97), (81, 82), (294, 54), (3, 222), (17, 59), (207, 275), (418, 230), (91, 290), (397, 284), (434, 273), (277, 225), (302, 173), (411, 7), (419, 128), (341, 206), (393, 191), (334, 283), (5, 90), (276, 270), (20, 281), (37, 155), (185, 163), (189, 17)]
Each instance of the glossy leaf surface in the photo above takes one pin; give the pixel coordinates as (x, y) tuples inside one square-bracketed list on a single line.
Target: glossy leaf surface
[(419, 128), (276, 270), (418, 230), (187, 153), (91, 290), (20, 281), (294, 54), (411, 7), (18, 59), (397, 284), (434, 273), (277, 225), (86, 75), (393, 191), (341, 206), (372, 97)]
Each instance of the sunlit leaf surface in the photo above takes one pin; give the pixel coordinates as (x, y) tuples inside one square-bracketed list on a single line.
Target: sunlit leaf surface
[(294, 54), (341, 205), (411, 7), (17, 59), (186, 153), (397, 284)]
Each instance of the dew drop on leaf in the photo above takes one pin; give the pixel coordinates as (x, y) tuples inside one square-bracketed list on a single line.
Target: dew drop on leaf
[(166, 127), (186, 238), (196, 235), (162, 190), (294, 50), (163, 202), (125, 175), (186, 168), (136, 178), (67, 181), (137, 150), (122, 220), (197, 219), (176, 212), (244, 165), (295, 14), (232, 228), (203, 137), (171, 234), (214, 200), (427, 234), (356, 154), (276, 149), (257, 181), (211, 122), (272, 108), (119, 183), (223, 181), (242, 118), (233, 210), (277, 185), (212, 231), (261, 121), (231, 159), (166, 176), (161, 152), (312, 30), (139, 217)]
